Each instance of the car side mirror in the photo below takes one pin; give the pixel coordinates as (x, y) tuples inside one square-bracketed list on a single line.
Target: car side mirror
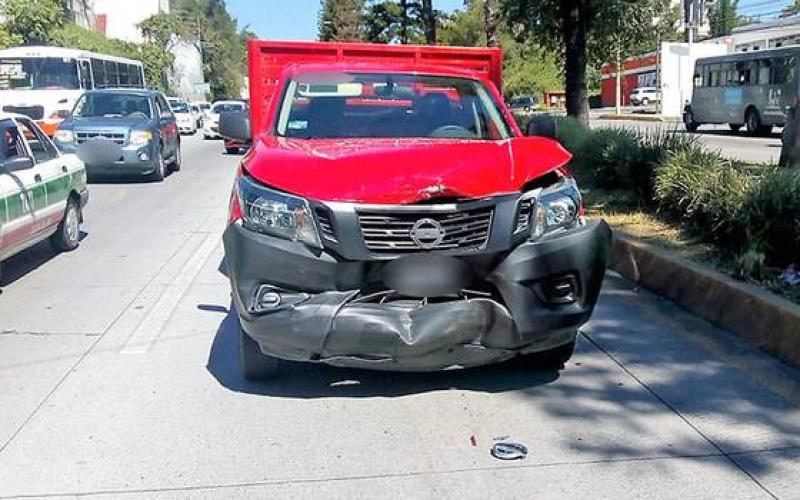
[(542, 126), (235, 125), (17, 163)]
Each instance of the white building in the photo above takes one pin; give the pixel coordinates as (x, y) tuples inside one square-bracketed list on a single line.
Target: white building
[(120, 18), (187, 71)]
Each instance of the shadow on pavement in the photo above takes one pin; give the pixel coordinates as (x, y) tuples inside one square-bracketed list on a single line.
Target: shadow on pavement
[(312, 380), (27, 261)]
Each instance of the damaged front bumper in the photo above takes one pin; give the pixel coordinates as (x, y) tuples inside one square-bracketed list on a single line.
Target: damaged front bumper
[(323, 308)]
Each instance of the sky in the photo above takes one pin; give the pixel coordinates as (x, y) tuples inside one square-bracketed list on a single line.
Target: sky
[(292, 19)]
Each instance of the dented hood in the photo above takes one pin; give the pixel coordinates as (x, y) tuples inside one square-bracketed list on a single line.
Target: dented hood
[(401, 171)]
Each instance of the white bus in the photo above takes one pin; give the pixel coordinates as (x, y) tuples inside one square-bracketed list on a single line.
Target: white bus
[(44, 82)]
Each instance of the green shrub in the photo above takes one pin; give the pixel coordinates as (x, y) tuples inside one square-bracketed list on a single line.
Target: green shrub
[(772, 215)]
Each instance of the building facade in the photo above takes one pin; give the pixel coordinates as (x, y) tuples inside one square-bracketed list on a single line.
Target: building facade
[(120, 18)]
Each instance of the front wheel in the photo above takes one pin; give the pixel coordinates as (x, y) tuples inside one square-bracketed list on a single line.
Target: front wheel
[(68, 234), (645, 102), (161, 168), (255, 364), (754, 125), (176, 163)]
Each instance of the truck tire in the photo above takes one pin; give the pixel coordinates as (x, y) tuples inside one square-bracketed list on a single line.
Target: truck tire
[(255, 364), (68, 234), (754, 125)]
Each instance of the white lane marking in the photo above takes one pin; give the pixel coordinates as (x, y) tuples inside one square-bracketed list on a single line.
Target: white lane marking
[(152, 325)]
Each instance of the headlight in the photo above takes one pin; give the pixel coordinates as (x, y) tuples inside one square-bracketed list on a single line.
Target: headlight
[(64, 136), (554, 208), (140, 137), (275, 213)]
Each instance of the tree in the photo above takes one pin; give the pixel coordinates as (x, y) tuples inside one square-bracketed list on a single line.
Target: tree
[(791, 10), (429, 21), (33, 21), (389, 21), (586, 31), (341, 20), (491, 24), (723, 17), (527, 68)]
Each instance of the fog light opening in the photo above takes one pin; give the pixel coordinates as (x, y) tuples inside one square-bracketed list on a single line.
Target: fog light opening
[(267, 298), (559, 291), (144, 156)]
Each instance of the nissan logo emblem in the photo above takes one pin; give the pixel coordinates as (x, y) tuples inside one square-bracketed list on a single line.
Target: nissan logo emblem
[(427, 233)]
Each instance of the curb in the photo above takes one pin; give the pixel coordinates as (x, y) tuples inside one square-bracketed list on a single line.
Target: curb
[(637, 118), (759, 317)]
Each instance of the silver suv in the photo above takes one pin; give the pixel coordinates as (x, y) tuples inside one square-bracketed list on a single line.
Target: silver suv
[(644, 96)]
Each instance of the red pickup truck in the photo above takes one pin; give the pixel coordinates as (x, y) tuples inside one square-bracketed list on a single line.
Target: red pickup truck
[(391, 214)]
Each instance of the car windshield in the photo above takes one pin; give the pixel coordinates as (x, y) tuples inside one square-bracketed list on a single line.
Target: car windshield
[(179, 106), (227, 108), (37, 73), (109, 105), (376, 105)]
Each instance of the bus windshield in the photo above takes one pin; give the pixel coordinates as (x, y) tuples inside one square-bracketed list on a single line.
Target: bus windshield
[(38, 73)]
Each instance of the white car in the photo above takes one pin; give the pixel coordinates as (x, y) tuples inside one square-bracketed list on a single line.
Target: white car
[(42, 191), (187, 123), (644, 96), (211, 122)]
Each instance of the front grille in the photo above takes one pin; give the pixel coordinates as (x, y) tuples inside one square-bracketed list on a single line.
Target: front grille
[(117, 137), (390, 232), (32, 112)]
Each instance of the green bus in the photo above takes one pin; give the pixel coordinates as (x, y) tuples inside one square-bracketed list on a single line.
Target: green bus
[(750, 89)]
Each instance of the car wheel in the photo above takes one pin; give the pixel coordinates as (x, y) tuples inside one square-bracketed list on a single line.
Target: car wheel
[(645, 102), (206, 137), (176, 163), (68, 234), (255, 364), (688, 121), (161, 169), (232, 151)]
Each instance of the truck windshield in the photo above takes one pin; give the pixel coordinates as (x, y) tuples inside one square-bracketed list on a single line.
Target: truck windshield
[(112, 106), (38, 73), (372, 105)]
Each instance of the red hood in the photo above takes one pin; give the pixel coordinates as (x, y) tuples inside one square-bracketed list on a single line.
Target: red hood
[(401, 171)]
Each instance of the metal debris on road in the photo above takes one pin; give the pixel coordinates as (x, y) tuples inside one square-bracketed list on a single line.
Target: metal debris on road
[(509, 451)]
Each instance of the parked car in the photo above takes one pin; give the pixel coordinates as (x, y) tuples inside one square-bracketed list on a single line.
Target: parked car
[(211, 123), (392, 215), (523, 105), (42, 191), (644, 96), (139, 122), (186, 119)]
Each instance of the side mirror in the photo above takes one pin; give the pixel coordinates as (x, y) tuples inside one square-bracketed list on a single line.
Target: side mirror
[(235, 125), (542, 126), (17, 163)]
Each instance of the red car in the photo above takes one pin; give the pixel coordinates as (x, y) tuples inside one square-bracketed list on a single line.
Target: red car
[(390, 214)]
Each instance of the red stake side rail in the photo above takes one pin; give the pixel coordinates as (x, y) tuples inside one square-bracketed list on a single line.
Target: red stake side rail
[(268, 59)]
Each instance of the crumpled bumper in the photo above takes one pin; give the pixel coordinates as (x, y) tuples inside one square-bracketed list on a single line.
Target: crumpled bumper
[(523, 307)]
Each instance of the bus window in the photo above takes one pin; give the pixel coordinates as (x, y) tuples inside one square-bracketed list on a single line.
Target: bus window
[(698, 79), (783, 70), (86, 75), (99, 71), (743, 72), (112, 73), (714, 75), (124, 75), (764, 67)]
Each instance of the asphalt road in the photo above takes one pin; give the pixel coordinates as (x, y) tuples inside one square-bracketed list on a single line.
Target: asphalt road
[(119, 378), (733, 145)]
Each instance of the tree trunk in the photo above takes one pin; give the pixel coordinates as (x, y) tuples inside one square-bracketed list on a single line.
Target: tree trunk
[(429, 22), (491, 11), (618, 80), (687, 19), (573, 15), (404, 22)]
